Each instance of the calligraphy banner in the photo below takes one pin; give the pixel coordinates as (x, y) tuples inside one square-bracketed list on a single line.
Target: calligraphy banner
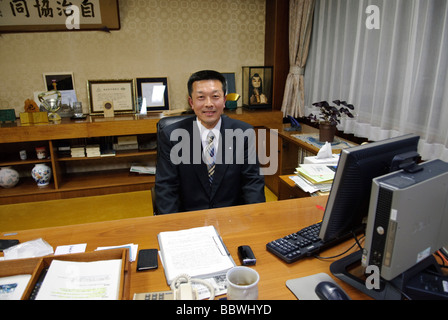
[(58, 15)]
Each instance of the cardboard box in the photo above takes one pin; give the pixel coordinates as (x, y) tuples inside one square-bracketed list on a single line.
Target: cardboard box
[(33, 118)]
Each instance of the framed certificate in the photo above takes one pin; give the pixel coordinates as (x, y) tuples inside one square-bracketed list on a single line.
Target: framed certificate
[(106, 93), (153, 92)]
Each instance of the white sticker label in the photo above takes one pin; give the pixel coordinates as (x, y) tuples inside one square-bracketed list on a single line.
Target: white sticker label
[(424, 254), (393, 214)]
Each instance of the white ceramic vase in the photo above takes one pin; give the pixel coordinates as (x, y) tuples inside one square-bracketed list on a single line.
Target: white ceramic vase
[(41, 173), (8, 177)]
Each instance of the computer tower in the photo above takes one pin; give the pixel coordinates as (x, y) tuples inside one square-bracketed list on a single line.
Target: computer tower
[(408, 218)]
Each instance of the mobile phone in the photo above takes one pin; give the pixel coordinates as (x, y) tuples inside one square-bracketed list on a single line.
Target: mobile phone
[(147, 259), (5, 244), (246, 256)]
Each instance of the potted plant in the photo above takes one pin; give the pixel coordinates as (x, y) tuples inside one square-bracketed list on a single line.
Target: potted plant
[(329, 117)]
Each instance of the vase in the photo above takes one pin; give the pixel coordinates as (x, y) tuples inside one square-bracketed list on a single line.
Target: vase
[(327, 132), (41, 173), (8, 177)]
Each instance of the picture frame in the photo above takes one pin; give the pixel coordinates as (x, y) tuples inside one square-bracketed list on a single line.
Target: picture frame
[(231, 89), (257, 87), (64, 80), (56, 15), (119, 93), (230, 81), (65, 84), (154, 91)]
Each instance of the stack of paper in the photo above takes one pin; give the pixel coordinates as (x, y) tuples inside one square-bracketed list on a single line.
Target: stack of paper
[(126, 143), (314, 177), (93, 150), (316, 173), (78, 152), (197, 252), (69, 280)]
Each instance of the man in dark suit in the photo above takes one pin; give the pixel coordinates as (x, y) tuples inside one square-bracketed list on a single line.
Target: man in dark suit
[(195, 173)]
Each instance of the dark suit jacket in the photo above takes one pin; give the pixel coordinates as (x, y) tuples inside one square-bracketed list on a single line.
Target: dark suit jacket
[(185, 186)]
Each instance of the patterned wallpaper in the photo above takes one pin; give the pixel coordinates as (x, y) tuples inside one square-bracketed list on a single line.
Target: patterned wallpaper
[(158, 38)]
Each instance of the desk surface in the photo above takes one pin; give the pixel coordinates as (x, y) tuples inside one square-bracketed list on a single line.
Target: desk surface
[(253, 225)]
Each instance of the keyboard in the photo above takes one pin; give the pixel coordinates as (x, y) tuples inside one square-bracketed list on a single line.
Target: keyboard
[(295, 246)]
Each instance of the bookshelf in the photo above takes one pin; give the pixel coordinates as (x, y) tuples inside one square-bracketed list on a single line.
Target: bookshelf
[(89, 176)]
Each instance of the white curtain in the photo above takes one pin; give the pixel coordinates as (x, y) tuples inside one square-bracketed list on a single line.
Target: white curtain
[(300, 27), (389, 58)]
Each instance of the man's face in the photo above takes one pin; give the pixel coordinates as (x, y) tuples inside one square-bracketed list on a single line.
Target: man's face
[(208, 101)]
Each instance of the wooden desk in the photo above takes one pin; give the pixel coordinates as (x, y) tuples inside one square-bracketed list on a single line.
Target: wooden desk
[(253, 225), (287, 189)]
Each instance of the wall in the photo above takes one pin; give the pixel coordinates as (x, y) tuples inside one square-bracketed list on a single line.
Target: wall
[(158, 38)]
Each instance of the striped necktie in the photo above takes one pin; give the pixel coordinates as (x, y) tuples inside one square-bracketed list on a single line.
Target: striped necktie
[(209, 154)]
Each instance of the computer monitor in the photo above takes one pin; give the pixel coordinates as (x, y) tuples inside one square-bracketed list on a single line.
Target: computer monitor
[(348, 203)]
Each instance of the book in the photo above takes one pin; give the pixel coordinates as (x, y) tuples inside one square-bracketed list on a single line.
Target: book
[(197, 252), (143, 169), (127, 140), (70, 280)]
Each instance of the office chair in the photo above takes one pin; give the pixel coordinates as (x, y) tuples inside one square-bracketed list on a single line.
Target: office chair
[(164, 122)]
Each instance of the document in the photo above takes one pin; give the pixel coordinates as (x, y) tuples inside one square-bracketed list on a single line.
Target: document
[(197, 252), (70, 249), (69, 280), (13, 287)]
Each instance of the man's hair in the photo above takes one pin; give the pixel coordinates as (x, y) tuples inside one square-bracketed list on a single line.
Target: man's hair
[(206, 75)]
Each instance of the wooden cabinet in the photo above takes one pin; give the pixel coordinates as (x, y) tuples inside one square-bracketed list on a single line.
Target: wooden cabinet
[(88, 176)]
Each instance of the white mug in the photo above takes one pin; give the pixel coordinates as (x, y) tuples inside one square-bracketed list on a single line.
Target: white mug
[(242, 284)]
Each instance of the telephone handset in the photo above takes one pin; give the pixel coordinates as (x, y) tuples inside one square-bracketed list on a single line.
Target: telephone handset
[(182, 289)]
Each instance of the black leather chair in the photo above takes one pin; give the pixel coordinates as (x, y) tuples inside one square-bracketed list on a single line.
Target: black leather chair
[(164, 122)]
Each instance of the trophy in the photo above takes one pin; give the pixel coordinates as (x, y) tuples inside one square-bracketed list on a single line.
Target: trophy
[(51, 100)]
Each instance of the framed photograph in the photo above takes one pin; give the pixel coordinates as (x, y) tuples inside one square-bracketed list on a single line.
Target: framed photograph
[(64, 81), (65, 84), (257, 87), (153, 92), (230, 82), (107, 94), (231, 104)]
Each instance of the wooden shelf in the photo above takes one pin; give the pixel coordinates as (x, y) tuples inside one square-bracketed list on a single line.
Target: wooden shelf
[(110, 179), (26, 186), (104, 179), (121, 154), (23, 162)]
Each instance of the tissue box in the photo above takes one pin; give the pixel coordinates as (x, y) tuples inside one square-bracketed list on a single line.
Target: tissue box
[(313, 160)]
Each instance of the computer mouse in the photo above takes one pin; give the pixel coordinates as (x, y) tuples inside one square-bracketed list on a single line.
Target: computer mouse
[(327, 290)]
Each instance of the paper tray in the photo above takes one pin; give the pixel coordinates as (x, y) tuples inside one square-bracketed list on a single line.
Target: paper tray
[(35, 266)]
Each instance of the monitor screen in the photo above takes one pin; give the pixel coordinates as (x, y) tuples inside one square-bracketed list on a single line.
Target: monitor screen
[(348, 202)]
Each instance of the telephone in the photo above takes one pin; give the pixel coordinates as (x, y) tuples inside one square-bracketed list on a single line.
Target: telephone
[(181, 289)]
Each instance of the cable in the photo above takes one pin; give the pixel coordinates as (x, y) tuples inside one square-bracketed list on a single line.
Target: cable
[(341, 254), (444, 258), (186, 279)]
